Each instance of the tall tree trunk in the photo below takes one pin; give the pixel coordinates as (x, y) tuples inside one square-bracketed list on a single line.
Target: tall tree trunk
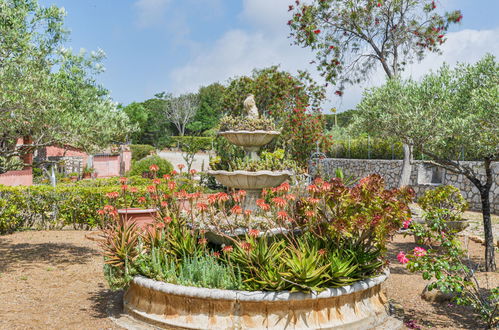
[(405, 176), (490, 263)]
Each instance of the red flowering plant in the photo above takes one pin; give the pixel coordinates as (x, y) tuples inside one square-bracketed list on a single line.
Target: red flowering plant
[(326, 235), (303, 131)]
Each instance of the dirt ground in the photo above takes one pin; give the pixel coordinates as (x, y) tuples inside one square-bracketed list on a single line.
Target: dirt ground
[(53, 280)]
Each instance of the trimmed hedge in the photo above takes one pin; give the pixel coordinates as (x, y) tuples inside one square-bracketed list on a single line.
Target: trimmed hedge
[(46, 207), (372, 148), (140, 151)]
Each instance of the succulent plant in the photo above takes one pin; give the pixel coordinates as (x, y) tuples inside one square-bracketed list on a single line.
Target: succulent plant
[(232, 123), (270, 161)]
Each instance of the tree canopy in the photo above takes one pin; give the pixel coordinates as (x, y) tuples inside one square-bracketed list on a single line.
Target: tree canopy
[(48, 93), (447, 112), (352, 37)]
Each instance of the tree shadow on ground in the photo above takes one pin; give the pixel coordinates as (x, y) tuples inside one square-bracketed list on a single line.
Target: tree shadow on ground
[(106, 303), (58, 254)]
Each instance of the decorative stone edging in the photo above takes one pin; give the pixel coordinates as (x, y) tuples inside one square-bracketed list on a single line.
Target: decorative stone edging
[(250, 173), (357, 306), (240, 295)]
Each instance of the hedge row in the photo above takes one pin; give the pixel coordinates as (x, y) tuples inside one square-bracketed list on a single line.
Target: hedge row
[(45, 207), (375, 148), (368, 148), (140, 151)]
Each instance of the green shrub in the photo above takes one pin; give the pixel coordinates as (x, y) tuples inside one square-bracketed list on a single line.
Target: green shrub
[(198, 142), (45, 207), (142, 166), (140, 151), (110, 182), (445, 200)]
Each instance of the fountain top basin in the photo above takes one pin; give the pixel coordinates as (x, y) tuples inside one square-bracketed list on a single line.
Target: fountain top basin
[(250, 138)]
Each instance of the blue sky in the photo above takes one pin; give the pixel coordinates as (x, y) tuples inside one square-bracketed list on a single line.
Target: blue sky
[(180, 45)]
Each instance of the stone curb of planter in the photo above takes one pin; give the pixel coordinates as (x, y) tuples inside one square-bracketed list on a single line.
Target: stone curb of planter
[(361, 305), (240, 295)]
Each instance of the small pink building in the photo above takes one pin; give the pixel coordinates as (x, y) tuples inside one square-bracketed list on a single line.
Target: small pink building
[(22, 177)]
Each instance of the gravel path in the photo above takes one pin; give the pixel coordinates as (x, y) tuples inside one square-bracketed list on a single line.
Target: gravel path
[(201, 160), (53, 280)]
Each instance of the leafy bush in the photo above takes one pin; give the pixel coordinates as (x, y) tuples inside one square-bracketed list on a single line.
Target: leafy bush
[(445, 199), (270, 161), (140, 151), (447, 265), (45, 207), (241, 123), (197, 142), (142, 166)]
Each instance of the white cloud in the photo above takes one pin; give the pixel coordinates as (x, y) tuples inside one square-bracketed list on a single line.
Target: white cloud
[(237, 52), (151, 12)]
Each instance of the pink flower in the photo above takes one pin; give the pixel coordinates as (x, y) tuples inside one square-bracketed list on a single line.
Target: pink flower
[(180, 166), (156, 181), (283, 215), (407, 223), (172, 185), (279, 202), (246, 246), (202, 207), (193, 171), (154, 168), (236, 209), (254, 232), (228, 249), (123, 180), (419, 251), (202, 241), (402, 258)]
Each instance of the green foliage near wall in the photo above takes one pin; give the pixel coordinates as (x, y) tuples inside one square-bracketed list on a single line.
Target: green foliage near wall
[(142, 166), (46, 207), (198, 142), (140, 151)]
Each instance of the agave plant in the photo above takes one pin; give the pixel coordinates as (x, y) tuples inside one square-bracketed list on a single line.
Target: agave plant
[(120, 244)]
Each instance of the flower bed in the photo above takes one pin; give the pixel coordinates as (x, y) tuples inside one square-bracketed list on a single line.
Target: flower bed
[(332, 236)]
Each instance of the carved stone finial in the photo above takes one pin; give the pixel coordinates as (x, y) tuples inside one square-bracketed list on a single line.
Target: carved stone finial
[(250, 109)]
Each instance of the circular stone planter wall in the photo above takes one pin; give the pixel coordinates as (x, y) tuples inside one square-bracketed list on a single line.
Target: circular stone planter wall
[(250, 180), (249, 138), (358, 306)]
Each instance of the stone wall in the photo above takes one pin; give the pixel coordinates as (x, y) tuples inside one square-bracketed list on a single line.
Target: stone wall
[(423, 177)]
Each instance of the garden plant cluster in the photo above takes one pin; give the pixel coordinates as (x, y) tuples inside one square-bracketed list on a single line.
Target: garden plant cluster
[(324, 235)]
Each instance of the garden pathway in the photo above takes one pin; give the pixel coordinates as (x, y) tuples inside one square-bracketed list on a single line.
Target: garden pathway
[(53, 280), (175, 157)]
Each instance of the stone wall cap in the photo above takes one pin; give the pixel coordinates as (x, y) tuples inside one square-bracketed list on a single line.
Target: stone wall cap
[(256, 296), (249, 173)]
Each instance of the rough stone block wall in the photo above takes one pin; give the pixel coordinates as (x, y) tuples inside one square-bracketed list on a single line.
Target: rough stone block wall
[(423, 177)]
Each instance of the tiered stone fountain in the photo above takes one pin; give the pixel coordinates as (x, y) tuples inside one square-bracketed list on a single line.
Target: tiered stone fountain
[(251, 141)]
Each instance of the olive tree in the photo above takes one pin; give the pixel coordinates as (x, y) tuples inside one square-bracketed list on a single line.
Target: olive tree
[(352, 38), (447, 112), (181, 110), (47, 93)]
